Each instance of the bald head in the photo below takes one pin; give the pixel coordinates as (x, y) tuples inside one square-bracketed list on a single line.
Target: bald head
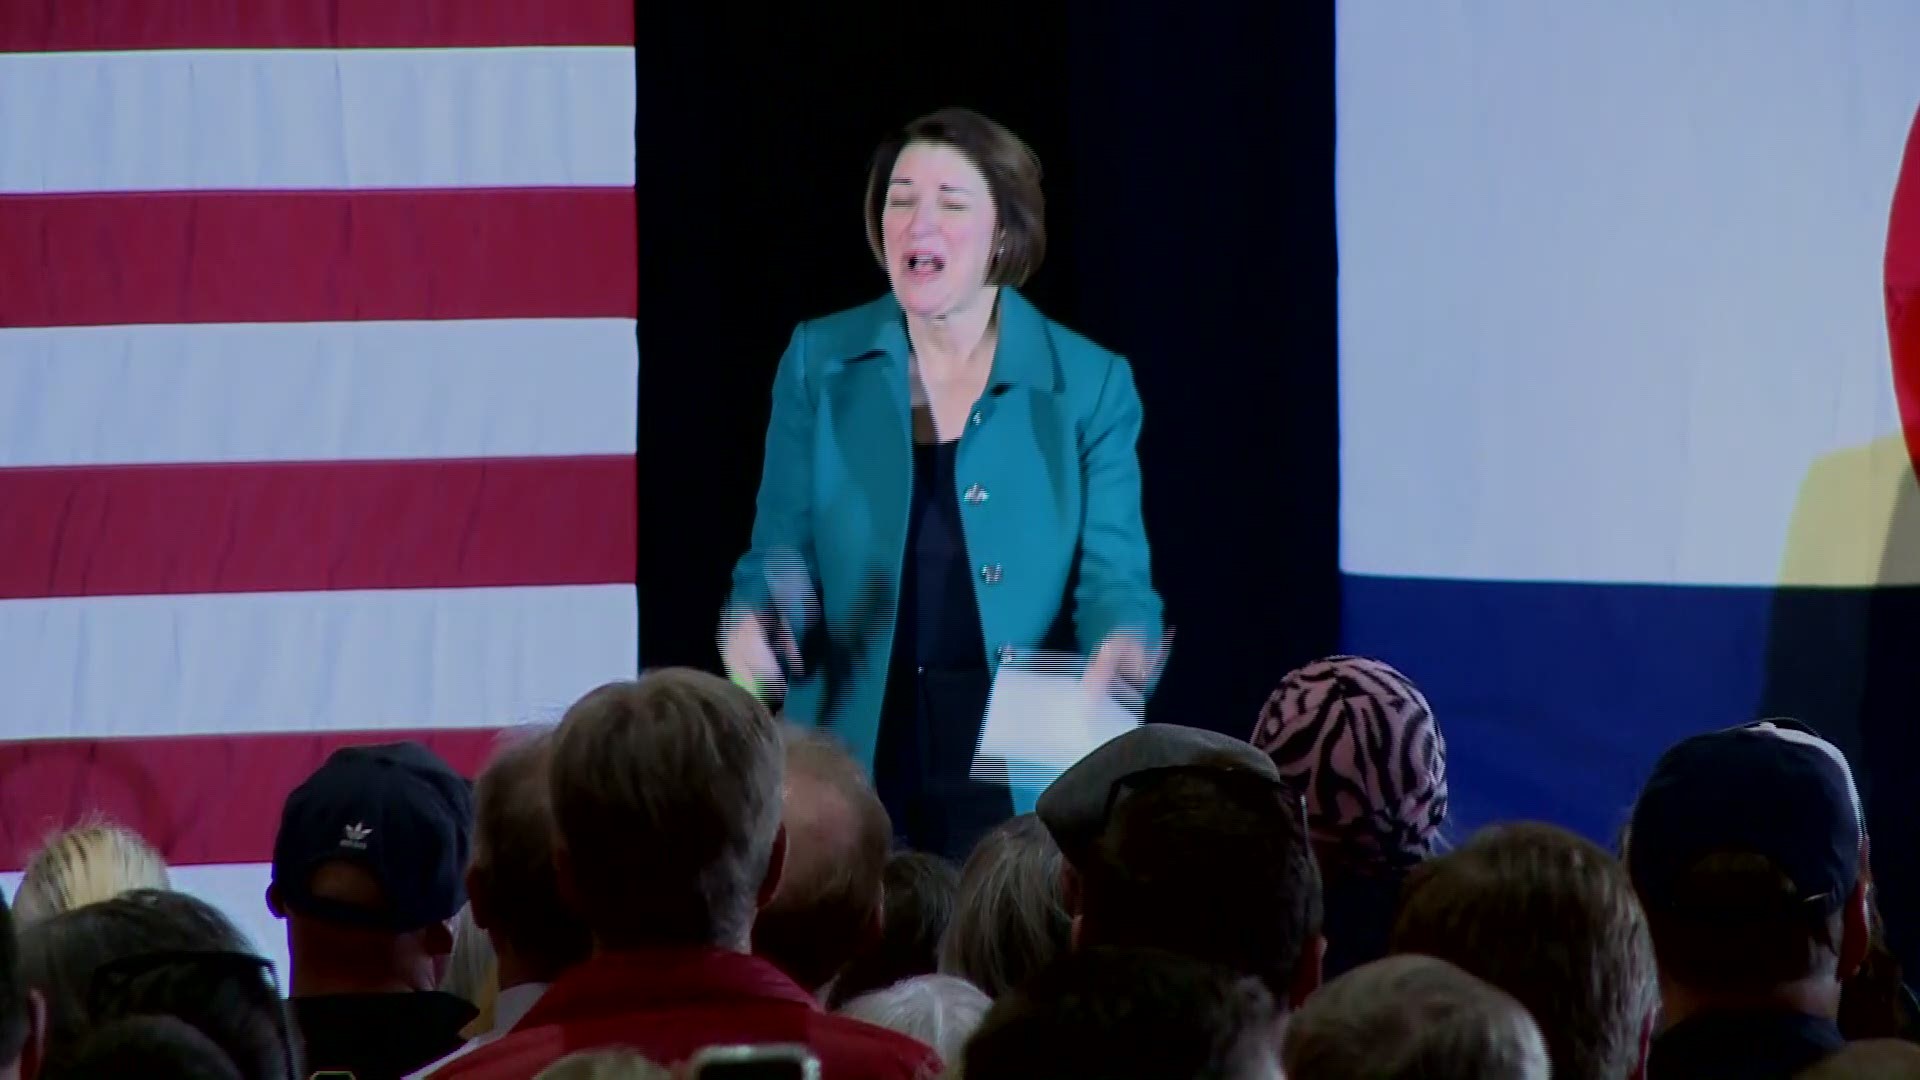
[(828, 901)]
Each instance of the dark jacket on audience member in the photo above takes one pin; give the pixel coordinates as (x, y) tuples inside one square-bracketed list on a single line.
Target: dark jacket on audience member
[(668, 1004), (1359, 918), (379, 1036), (1756, 1045)]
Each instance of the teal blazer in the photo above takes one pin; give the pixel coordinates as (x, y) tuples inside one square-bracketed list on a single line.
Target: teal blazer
[(1049, 486)]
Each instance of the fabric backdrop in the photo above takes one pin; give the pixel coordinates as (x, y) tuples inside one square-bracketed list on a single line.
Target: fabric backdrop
[(318, 378), (1623, 451)]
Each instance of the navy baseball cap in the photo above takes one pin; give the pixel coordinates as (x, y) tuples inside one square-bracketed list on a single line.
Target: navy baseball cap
[(1772, 789), (396, 809)]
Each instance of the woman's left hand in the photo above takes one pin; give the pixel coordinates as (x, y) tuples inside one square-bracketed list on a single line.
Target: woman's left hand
[(1123, 660)]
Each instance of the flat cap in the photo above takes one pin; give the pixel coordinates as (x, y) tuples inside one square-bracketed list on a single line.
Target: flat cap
[(1073, 808)]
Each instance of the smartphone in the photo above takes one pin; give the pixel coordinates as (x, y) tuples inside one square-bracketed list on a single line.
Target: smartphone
[(754, 1063)]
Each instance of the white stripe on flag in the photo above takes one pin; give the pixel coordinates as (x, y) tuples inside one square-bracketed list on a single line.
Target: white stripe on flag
[(99, 395), (298, 118), (106, 667)]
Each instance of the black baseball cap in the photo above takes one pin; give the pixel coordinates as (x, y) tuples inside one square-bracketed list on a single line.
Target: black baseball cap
[(1074, 807), (1772, 789), (397, 809)]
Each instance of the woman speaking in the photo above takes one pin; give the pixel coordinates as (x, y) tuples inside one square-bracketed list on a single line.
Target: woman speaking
[(953, 476)]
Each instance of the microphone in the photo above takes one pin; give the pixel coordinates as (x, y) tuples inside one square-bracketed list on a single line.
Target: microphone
[(796, 609)]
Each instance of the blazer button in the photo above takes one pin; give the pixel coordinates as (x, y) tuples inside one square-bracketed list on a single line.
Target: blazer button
[(975, 495), (990, 574)]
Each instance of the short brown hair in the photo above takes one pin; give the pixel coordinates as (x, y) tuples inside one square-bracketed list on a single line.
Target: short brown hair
[(1012, 170), (1414, 1016), (666, 796), (1210, 863), (513, 857), (1550, 918), (838, 837), (1010, 919), (1737, 926)]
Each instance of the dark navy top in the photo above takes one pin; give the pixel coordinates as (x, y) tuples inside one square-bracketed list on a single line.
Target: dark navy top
[(938, 608)]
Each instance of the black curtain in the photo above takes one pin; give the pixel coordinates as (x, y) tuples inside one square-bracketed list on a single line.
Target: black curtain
[(1189, 160)]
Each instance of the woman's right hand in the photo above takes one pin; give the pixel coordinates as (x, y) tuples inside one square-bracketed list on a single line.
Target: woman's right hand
[(747, 653)]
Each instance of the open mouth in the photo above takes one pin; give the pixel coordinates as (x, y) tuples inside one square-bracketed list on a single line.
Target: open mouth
[(924, 263)]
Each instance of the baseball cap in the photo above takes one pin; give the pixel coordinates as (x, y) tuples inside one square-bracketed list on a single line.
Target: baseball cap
[(1771, 789), (396, 809), (1074, 807)]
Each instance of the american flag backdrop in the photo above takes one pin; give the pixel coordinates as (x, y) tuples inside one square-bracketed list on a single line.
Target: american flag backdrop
[(318, 380)]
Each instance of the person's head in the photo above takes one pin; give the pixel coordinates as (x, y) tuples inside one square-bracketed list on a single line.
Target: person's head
[(666, 796), (1128, 1012), (939, 1010), (1748, 851), (83, 865), (1413, 1018), (1213, 863), (1075, 806), (920, 892), (155, 952), (1550, 918), (1359, 740), (155, 1047), (954, 209), (1010, 918), (512, 886), (1869, 1059), (23, 1013), (828, 905), (368, 869)]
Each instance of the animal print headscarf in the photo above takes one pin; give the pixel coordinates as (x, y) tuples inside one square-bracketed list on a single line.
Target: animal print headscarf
[(1358, 739)]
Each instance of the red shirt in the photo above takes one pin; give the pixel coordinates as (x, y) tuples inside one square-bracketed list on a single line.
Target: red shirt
[(670, 1003)]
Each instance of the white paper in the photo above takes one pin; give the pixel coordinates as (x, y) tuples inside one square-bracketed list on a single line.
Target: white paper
[(1041, 719)]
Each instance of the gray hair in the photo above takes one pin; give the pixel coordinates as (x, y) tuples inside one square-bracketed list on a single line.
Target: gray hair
[(1011, 918), (666, 798), (513, 865), (939, 1010), (1413, 1016)]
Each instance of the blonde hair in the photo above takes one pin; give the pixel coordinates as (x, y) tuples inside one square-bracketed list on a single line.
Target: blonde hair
[(86, 864), (473, 971)]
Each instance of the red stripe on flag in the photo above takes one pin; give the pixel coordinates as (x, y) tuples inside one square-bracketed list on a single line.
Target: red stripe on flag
[(84, 25), (198, 798), (317, 256), (306, 526)]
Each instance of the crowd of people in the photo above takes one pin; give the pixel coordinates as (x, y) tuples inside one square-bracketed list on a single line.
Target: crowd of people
[(674, 882)]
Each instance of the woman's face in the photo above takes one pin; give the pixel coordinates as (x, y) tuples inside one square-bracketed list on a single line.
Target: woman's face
[(938, 230)]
